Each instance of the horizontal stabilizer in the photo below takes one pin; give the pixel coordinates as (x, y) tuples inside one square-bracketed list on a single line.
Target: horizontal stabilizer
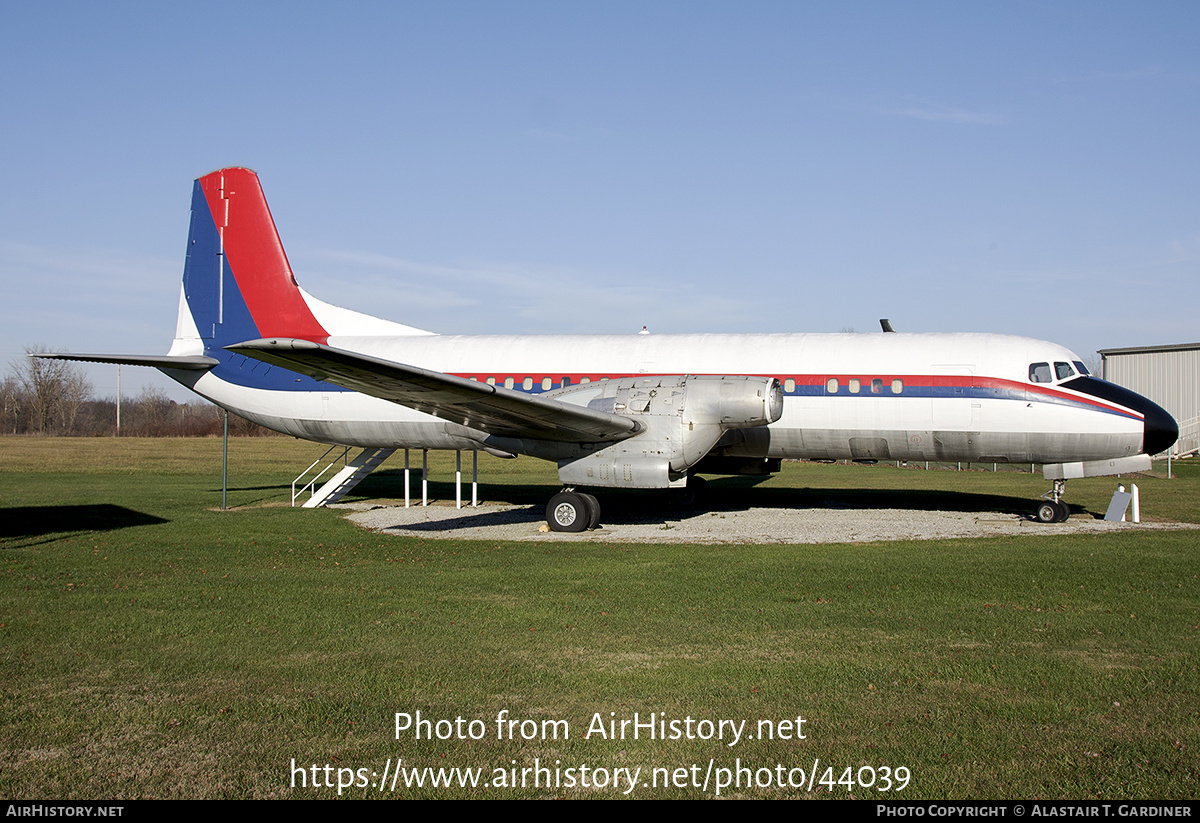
[(158, 361), (481, 406)]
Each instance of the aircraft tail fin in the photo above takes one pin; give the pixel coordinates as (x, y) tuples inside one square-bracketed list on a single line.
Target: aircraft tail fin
[(237, 282)]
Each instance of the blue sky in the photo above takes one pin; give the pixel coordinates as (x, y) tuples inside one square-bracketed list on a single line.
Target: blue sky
[(1020, 167)]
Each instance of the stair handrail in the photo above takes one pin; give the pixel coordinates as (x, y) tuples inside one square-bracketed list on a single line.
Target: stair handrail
[(311, 485), (1189, 437)]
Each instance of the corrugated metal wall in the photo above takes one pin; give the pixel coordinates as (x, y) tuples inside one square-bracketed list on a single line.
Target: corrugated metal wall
[(1171, 378)]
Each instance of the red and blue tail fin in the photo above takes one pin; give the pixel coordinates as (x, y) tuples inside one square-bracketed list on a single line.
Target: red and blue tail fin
[(238, 286), (237, 281)]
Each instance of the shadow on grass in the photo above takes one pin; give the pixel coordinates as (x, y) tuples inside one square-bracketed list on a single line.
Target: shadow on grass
[(837, 498), (467, 518), (39, 521), (632, 508)]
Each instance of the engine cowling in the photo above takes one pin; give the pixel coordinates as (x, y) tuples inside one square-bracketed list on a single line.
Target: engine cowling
[(735, 402)]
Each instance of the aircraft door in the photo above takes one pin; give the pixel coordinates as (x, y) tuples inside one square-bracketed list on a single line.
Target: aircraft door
[(951, 397)]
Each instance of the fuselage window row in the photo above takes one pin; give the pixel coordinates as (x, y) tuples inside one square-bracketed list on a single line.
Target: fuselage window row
[(1038, 373), (854, 384)]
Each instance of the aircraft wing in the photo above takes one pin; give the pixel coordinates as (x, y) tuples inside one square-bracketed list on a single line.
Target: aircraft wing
[(492, 409)]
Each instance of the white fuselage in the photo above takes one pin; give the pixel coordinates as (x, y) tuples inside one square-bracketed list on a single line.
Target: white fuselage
[(847, 396)]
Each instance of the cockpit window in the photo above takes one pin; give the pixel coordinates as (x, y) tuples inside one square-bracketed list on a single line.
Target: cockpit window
[(1063, 370), (1079, 367), (1040, 373)]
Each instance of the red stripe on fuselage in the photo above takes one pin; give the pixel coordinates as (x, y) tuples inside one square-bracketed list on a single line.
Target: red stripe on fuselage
[(1050, 391), (256, 257), (815, 380)]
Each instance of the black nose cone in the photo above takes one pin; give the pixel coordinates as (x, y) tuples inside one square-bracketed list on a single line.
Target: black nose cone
[(1159, 429)]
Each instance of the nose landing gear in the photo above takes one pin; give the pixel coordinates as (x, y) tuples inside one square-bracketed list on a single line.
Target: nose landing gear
[(1054, 509)]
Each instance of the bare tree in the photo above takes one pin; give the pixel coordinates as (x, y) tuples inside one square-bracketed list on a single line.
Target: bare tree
[(53, 391), (13, 397), (150, 414), (50, 396)]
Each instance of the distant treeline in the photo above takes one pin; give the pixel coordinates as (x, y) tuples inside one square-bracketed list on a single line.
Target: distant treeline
[(52, 397)]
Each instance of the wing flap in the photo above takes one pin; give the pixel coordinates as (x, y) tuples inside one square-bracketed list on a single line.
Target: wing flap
[(492, 409)]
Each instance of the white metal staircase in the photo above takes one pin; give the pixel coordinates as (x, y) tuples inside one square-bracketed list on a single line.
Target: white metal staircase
[(1189, 438), (350, 475)]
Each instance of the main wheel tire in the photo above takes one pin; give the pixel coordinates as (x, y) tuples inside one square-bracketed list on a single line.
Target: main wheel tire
[(694, 495), (1048, 512), (594, 505), (1064, 511), (568, 512)]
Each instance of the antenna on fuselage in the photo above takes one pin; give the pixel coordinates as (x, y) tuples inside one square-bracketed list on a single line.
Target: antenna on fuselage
[(887, 325)]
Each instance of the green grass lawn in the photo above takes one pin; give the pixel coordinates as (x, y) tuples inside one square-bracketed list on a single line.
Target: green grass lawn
[(152, 645)]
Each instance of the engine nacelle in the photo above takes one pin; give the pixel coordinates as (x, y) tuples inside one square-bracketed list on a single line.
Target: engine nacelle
[(683, 417), (735, 402)]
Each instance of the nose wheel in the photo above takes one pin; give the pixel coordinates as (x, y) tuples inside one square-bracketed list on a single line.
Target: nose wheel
[(1053, 512), (1054, 509)]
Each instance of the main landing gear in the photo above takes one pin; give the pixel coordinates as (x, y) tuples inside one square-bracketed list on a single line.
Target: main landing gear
[(572, 511), (576, 511), (1054, 509), (694, 495)]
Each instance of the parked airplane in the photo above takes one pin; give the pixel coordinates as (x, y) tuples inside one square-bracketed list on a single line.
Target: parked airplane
[(641, 411)]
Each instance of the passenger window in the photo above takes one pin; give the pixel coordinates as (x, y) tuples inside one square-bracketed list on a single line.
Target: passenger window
[(508, 382), (1062, 371), (789, 385), (854, 385), (1040, 373), (546, 384), (832, 386), (527, 383), (566, 382), (491, 381), (585, 380), (473, 377), (897, 386), (877, 386)]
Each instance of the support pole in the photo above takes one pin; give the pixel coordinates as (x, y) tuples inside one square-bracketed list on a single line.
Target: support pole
[(474, 478), (458, 478), (406, 478), (424, 477), (225, 464)]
